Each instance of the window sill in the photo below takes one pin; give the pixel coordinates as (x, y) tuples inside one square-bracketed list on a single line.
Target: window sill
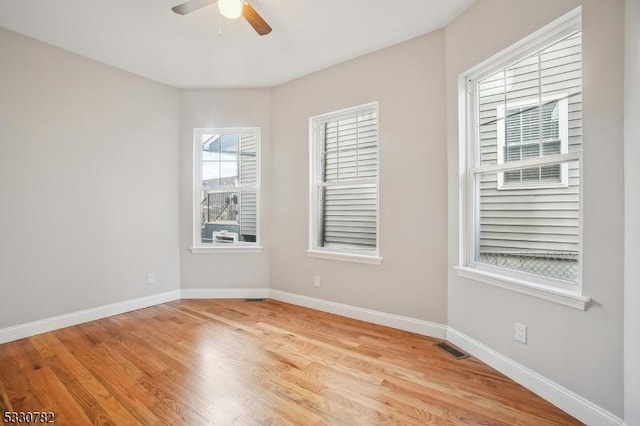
[(346, 257), (226, 249), (533, 289)]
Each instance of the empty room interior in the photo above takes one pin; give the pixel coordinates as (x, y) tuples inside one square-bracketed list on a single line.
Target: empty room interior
[(297, 212)]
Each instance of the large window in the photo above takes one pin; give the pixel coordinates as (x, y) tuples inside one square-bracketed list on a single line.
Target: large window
[(344, 185), (226, 188), (522, 156)]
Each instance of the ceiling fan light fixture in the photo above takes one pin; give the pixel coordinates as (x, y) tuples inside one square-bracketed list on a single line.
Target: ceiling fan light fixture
[(231, 9)]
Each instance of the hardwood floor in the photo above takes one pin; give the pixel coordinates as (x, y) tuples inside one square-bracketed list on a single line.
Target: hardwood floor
[(227, 362)]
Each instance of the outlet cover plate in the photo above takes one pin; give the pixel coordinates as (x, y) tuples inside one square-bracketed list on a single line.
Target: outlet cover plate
[(521, 333)]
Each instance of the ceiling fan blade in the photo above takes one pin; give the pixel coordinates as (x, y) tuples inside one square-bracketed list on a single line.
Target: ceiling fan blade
[(191, 6), (255, 20)]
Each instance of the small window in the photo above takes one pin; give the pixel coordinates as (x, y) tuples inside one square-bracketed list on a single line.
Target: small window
[(532, 129), (344, 184), (227, 176)]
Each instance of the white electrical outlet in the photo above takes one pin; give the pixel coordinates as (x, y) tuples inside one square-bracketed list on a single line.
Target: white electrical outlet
[(151, 278), (316, 281), (521, 333)]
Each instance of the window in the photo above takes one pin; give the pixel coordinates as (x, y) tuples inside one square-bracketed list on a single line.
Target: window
[(226, 189), (528, 130), (344, 185), (521, 150)]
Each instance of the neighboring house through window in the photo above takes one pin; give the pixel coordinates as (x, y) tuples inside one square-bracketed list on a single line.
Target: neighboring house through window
[(344, 185), (533, 129), (226, 189), (521, 227)]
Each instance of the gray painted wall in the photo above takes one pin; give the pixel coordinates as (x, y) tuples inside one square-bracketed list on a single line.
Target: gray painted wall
[(579, 350), (88, 183), (223, 108), (407, 81), (632, 213)]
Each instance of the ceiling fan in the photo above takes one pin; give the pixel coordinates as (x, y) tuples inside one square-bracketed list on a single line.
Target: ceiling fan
[(231, 9)]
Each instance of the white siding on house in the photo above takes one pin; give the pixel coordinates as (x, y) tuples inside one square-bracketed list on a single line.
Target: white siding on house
[(350, 216), (349, 152), (540, 218), (248, 177)]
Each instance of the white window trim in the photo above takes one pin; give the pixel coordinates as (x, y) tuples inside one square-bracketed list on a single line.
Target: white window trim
[(346, 254), (238, 247), (563, 119), (528, 287), (198, 247), (557, 291)]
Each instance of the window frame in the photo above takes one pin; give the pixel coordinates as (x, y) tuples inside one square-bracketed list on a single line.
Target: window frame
[(198, 247), (315, 182), (550, 289)]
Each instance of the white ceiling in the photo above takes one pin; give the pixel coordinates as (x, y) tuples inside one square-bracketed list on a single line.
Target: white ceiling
[(145, 37)]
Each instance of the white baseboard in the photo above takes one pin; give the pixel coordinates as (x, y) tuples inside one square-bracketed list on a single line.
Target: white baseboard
[(61, 321), (224, 293), (580, 408), (413, 325)]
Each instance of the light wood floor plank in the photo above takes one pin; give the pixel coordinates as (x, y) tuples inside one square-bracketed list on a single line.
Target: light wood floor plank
[(231, 362)]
